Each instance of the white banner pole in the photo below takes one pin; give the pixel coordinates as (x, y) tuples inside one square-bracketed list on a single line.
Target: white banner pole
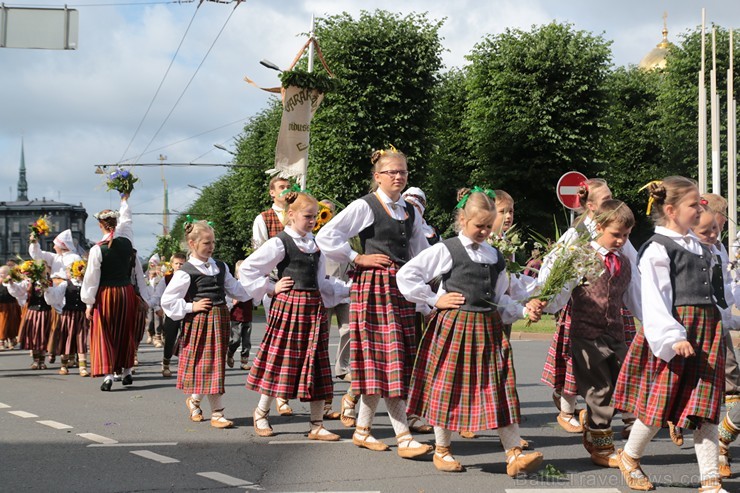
[(702, 161)]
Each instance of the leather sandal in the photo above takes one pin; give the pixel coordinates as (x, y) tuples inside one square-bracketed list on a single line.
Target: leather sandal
[(283, 408), (347, 414), (408, 452), (556, 399), (467, 434), (518, 463), (360, 436), (193, 405), (263, 432), (63, 370), (413, 419), (445, 465), (219, 421), (565, 422), (632, 472), (328, 412), (84, 372), (316, 434), (725, 471), (713, 485), (676, 435)]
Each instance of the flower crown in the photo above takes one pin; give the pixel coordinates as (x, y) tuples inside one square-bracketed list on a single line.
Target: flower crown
[(106, 215)]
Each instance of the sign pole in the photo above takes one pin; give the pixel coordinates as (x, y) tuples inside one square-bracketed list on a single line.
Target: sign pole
[(310, 69)]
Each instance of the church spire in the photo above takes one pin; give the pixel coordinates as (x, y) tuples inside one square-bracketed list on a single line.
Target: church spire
[(22, 184)]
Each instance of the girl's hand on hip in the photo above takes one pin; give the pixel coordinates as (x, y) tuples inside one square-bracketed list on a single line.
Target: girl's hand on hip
[(684, 348)]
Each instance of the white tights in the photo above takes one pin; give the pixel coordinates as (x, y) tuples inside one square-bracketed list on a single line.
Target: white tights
[(396, 412)]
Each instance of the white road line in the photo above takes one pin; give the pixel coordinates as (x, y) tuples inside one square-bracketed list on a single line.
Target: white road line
[(162, 459), (3, 406), (55, 424), (97, 438), (299, 442), (576, 490), (230, 480), (23, 414), (116, 444)]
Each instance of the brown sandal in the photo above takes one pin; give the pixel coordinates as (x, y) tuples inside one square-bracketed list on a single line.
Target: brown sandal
[(263, 432), (360, 436), (445, 465), (633, 474), (676, 435), (347, 414), (413, 419), (322, 437), (411, 452), (283, 408), (196, 414)]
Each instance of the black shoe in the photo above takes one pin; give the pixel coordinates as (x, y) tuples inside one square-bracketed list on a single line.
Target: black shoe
[(127, 380), (106, 385)]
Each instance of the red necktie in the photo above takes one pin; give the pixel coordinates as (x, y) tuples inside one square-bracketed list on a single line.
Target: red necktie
[(612, 262)]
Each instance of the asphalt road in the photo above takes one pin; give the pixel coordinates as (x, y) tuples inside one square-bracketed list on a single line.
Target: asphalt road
[(61, 433)]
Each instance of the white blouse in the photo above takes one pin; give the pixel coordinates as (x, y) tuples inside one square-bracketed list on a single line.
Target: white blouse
[(333, 238), (58, 263), (661, 330), (254, 271), (413, 277), (173, 299), (259, 228)]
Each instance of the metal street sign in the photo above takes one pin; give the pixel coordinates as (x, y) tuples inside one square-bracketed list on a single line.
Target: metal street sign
[(567, 189), (39, 28)]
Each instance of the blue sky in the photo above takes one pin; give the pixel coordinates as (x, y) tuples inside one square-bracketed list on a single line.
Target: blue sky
[(80, 108)]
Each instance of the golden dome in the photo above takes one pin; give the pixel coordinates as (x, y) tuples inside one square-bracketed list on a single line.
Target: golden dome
[(655, 59)]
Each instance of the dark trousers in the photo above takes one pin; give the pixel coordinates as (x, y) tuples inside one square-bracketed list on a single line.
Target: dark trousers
[(153, 322), (170, 329), (241, 333), (732, 372)]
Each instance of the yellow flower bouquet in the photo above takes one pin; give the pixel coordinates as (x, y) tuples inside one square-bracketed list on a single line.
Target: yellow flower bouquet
[(77, 269), (40, 227), (322, 217)]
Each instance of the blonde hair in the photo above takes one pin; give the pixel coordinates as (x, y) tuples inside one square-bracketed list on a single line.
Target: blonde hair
[(503, 197), (477, 201), (378, 158), (194, 230), (716, 203), (586, 191), (670, 191), (297, 201), (614, 212)]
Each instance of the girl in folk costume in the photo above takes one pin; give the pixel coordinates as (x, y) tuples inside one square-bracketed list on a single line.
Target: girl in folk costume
[(597, 335), (10, 312), (197, 294), (73, 325), (110, 298), (464, 373), (383, 343), (674, 369), (37, 317), (558, 370), (293, 359)]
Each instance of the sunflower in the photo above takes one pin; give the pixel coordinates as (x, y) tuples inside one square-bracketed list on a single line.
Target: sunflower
[(40, 227), (324, 216), (77, 269)]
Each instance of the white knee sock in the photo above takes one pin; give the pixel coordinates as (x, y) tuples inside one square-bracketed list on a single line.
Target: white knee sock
[(366, 413), (442, 438), (706, 445), (216, 405), (264, 408), (397, 414), (196, 397), (126, 372), (510, 436), (108, 376), (567, 404), (317, 418), (639, 438)]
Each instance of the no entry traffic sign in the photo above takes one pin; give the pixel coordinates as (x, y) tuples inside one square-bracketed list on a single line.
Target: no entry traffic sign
[(567, 189)]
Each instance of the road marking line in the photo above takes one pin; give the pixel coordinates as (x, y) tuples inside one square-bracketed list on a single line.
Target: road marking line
[(116, 444), (55, 424), (577, 490), (97, 438), (299, 442), (3, 406), (230, 480), (162, 459), (23, 414)]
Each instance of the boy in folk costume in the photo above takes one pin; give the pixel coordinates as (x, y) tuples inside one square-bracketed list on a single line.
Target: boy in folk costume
[(154, 315), (597, 339), (170, 328)]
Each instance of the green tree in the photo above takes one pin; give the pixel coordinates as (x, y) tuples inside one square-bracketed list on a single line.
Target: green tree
[(536, 102)]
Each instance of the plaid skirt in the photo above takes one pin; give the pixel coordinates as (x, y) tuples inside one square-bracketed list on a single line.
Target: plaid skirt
[(558, 370), (10, 320), (630, 329), (293, 359), (35, 328), (464, 376), (382, 338), (72, 332), (204, 342), (685, 391), (112, 331)]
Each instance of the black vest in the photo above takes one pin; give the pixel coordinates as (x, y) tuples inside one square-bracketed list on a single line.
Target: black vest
[(115, 268), (5, 296), (691, 274), (302, 267), (387, 235), (204, 286), (475, 281), (718, 284), (72, 300), (36, 301)]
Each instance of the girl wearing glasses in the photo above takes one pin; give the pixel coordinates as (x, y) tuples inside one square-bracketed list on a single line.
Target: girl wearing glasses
[(383, 343)]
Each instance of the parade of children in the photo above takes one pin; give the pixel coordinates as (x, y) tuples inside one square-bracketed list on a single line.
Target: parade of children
[(429, 322)]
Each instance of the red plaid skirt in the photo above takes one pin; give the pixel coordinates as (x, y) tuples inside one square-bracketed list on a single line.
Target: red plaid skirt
[(630, 329), (382, 338), (464, 376), (35, 330), (72, 332), (204, 341), (293, 359), (10, 320), (112, 332), (558, 371), (685, 391)]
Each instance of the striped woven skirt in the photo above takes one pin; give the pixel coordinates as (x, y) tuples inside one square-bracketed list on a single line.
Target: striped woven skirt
[(53, 339), (112, 331), (293, 359), (10, 320), (204, 341), (382, 339), (140, 324), (558, 370), (685, 391), (35, 329), (72, 332), (464, 377)]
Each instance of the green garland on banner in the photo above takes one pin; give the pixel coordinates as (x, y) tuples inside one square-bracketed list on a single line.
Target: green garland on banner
[(309, 80)]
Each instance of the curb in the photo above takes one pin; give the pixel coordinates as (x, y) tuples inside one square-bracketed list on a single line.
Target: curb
[(530, 336)]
